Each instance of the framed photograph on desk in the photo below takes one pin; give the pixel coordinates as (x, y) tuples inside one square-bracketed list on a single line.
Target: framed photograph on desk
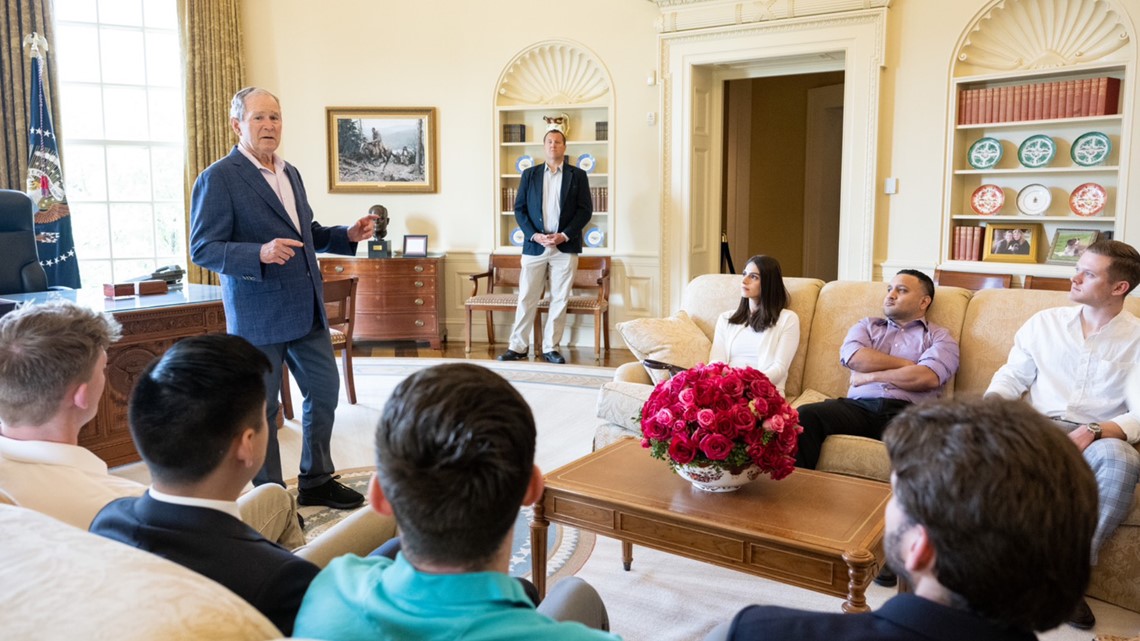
[(415, 246)]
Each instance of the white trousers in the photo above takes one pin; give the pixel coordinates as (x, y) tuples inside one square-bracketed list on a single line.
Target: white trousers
[(531, 281)]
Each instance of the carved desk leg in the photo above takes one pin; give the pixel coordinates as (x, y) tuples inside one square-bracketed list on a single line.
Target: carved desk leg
[(626, 555), (861, 568), (538, 528)]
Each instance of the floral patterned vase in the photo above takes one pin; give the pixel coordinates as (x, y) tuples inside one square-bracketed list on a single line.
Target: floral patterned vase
[(713, 479)]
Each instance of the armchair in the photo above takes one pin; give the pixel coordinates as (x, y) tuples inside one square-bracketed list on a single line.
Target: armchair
[(20, 270)]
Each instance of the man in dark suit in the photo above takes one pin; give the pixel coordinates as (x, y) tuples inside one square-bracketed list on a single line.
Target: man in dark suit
[(197, 416), (552, 209), (250, 221), (990, 522)]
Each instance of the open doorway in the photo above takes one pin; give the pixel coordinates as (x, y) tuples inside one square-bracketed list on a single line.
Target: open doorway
[(782, 159)]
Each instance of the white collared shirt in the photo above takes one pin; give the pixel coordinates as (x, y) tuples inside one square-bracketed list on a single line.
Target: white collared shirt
[(279, 182), (1070, 376), (229, 507), (551, 197), (66, 482)]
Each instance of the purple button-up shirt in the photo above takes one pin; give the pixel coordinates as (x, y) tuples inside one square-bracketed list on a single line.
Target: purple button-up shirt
[(920, 341)]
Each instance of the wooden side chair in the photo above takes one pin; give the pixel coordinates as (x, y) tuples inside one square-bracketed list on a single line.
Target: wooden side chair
[(1051, 284), (971, 280), (340, 306), (503, 272), (591, 295)]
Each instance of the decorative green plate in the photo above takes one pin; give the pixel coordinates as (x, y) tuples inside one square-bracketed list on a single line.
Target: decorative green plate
[(1036, 151), (1090, 149), (984, 153)]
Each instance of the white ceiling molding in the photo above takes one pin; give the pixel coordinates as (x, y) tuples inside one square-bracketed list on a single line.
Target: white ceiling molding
[(683, 15), (553, 72), (1014, 35)]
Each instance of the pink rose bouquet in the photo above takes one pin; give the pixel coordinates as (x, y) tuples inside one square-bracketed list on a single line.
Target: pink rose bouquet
[(723, 417)]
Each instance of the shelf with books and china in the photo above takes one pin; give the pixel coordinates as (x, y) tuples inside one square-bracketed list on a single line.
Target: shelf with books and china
[(1040, 151)]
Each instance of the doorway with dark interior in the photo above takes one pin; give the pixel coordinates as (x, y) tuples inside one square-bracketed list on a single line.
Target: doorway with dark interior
[(783, 141)]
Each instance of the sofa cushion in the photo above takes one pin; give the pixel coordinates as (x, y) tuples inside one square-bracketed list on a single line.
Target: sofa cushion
[(620, 403), (674, 340), (63, 583)]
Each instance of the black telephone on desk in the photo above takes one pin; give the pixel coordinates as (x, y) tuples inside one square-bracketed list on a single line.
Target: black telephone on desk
[(171, 274)]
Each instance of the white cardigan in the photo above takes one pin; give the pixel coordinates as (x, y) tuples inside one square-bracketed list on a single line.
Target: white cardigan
[(770, 351)]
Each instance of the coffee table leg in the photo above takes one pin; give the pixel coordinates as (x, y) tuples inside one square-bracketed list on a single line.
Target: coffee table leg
[(860, 569), (626, 555), (538, 527)]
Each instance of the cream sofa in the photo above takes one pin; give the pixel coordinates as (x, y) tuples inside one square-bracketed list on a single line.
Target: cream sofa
[(984, 323)]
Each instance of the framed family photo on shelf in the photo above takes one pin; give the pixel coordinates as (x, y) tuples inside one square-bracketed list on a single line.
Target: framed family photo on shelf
[(1012, 243), (382, 149), (1069, 244)]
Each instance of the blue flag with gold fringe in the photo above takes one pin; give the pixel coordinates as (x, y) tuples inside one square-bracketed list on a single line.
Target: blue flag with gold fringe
[(54, 240)]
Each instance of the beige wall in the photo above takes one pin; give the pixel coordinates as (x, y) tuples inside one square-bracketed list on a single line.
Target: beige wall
[(450, 54)]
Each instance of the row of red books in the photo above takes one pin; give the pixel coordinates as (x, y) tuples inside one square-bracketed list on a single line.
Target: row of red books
[(599, 195), (968, 243), (1041, 101)]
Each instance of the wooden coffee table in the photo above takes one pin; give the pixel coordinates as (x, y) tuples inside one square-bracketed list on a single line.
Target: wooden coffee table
[(819, 531)]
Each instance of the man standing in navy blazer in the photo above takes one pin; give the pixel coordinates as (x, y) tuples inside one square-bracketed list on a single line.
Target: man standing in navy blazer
[(552, 209), (197, 416), (250, 221)]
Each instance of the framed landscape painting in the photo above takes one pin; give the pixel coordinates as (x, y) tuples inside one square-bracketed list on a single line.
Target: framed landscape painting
[(382, 149)]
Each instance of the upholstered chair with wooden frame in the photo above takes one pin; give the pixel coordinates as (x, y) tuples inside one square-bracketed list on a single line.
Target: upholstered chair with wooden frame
[(1044, 282), (340, 306), (503, 272), (971, 280), (591, 295)]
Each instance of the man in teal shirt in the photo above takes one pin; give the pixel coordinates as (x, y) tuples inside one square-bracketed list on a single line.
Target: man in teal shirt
[(455, 460)]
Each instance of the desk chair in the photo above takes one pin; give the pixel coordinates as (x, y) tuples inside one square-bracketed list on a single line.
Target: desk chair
[(20, 270), (340, 306)]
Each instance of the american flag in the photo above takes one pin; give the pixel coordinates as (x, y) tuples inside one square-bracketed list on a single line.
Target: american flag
[(54, 240)]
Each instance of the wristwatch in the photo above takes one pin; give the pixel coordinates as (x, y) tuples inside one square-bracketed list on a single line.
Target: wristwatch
[(1095, 429)]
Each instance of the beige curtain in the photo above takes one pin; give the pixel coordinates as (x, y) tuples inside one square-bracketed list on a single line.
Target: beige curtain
[(19, 18), (214, 71)]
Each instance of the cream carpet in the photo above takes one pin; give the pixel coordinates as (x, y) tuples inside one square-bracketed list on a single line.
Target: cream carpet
[(663, 597)]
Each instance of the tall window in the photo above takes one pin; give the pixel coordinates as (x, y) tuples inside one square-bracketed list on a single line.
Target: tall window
[(121, 111)]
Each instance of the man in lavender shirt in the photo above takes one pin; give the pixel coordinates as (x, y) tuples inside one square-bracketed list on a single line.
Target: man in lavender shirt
[(894, 362)]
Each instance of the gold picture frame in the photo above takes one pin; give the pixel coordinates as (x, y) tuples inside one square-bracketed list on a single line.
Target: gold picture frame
[(382, 150), (1013, 242)]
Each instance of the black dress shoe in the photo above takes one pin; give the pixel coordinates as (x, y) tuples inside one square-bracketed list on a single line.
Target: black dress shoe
[(886, 578), (554, 357), (332, 494), (1082, 617), (512, 355)]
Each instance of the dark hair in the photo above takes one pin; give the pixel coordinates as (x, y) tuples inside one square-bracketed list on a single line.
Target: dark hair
[(1125, 261), (773, 296), (1007, 501), (454, 455), (188, 406), (927, 284)]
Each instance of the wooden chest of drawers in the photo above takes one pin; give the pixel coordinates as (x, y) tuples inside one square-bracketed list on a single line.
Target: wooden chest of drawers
[(396, 298)]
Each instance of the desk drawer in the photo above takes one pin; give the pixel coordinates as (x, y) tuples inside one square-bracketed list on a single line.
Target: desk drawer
[(397, 325), (381, 267)]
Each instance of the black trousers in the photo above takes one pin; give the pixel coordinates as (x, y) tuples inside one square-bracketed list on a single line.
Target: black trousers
[(857, 417)]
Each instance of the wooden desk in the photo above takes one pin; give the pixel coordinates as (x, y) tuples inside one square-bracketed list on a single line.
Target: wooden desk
[(151, 324), (823, 532)]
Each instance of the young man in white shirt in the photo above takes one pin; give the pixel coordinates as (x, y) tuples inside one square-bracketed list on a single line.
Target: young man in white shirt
[(1072, 363)]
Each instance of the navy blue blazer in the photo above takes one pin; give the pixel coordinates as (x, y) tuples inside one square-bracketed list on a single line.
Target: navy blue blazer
[(577, 208), (216, 545), (233, 212), (905, 617)]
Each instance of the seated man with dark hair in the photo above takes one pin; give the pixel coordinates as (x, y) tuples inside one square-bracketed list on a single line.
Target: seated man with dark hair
[(991, 519), (197, 416), (455, 460)]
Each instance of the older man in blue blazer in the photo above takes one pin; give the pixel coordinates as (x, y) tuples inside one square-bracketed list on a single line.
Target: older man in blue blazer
[(250, 221), (552, 209)]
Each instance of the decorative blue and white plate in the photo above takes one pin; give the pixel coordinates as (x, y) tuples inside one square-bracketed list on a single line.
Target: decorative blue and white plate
[(595, 237), (1090, 149), (1036, 151), (586, 163), (984, 153), (523, 163), (517, 237)]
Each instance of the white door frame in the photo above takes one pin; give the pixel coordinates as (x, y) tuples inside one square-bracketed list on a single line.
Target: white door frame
[(687, 58)]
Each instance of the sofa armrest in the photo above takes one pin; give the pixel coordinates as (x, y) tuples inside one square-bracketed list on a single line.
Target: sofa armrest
[(855, 456), (632, 373)]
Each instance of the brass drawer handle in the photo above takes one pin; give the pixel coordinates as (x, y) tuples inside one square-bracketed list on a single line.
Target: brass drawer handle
[(338, 269), (419, 323), (419, 283), (419, 301), (419, 268)]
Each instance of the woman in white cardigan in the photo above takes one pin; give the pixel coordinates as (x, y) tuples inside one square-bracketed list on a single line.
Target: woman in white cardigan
[(761, 333)]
